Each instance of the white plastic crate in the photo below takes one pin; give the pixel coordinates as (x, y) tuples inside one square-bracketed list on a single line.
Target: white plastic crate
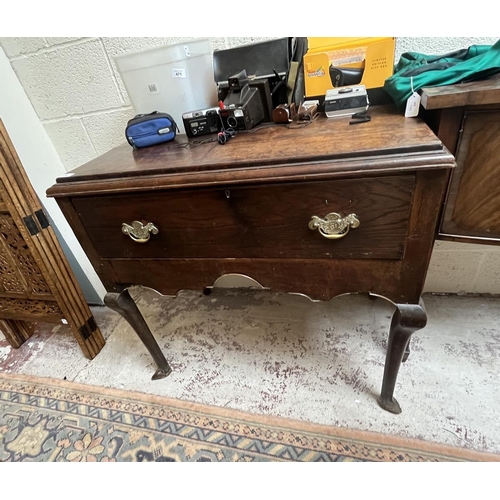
[(174, 78)]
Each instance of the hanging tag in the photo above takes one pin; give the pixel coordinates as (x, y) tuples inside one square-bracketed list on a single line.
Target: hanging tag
[(413, 103)]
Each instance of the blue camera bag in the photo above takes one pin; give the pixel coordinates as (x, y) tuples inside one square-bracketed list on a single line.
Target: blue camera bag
[(150, 129)]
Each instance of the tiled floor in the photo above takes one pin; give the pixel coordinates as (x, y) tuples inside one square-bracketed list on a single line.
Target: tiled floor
[(284, 355)]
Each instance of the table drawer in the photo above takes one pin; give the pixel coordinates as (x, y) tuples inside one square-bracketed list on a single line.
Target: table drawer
[(265, 221)]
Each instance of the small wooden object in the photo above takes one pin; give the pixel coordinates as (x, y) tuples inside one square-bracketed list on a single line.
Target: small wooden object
[(36, 281)]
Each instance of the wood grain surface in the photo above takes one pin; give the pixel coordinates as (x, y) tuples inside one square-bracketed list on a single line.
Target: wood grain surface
[(256, 222), (388, 133), (473, 203), (47, 262), (318, 279), (475, 93), (245, 207)]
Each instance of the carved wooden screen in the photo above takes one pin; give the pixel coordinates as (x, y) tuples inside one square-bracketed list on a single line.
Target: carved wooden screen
[(36, 281)]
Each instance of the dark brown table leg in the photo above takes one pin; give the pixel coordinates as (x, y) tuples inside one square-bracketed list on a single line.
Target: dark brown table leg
[(407, 319), (125, 305)]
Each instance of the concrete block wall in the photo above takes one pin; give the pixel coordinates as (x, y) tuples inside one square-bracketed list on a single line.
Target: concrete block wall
[(76, 89), (77, 92)]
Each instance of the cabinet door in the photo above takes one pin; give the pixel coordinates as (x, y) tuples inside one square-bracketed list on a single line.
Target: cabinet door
[(473, 205)]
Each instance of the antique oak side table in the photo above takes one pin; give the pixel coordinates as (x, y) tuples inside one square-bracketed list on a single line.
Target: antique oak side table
[(323, 210)]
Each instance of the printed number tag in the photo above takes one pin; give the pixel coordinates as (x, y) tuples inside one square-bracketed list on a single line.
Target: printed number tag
[(179, 73), (412, 105)]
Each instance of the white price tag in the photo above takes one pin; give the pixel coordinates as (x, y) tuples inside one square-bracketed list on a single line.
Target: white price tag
[(178, 73), (412, 105)]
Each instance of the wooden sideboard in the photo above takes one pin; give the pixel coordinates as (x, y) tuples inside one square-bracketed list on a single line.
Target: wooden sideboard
[(466, 117), (323, 210)]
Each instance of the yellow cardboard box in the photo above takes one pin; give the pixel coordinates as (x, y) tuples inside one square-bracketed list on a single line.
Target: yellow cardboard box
[(375, 55)]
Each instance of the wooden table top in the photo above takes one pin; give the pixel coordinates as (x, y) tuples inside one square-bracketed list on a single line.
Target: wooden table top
[(475, 93), (331, 146), (388, 132)]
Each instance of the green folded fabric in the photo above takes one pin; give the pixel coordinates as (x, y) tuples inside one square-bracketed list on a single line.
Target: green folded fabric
[(474, 63)]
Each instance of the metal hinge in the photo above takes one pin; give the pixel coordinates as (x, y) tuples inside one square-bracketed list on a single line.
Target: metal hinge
[(87, 329), (32, 226), (42, 219)]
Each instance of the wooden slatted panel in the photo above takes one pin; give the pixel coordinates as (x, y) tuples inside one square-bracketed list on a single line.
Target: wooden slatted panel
[(22, 202)]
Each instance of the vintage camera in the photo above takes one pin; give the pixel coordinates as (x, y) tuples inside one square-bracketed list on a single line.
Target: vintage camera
[(346, 101), (202, 122), (284, 113), (243, 107), (262, 85)]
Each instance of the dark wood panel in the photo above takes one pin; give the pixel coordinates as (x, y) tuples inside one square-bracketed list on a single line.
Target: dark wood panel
[(445, 123), (102, 268), (263, 222), (388, 133), (464, 94), (473, 206), (340, 169), (319, 280), (429, 192)]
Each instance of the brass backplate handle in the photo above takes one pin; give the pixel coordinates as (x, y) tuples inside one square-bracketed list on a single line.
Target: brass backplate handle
[(334, 226), (139, 232)]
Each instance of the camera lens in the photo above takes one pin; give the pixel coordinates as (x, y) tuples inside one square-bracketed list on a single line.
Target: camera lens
[(232, 122)]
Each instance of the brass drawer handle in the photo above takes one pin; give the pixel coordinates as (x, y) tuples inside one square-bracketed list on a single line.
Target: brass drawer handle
[(334, 226), (138, 232)]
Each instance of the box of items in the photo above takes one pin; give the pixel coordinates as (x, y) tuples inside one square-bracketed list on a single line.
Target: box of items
[(341, 61)]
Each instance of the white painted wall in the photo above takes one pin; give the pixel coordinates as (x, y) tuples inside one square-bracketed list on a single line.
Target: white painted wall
[(83, 106), (39, 158)]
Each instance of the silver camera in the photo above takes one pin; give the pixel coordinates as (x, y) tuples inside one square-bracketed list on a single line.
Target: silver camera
[(345, 101)]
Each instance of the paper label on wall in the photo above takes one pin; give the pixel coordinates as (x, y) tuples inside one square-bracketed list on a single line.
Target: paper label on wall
[(412, 105), (178, 73), (153, 89)]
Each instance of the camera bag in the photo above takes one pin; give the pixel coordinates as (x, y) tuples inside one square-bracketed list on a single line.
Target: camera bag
[(342, 77), (150, 129)]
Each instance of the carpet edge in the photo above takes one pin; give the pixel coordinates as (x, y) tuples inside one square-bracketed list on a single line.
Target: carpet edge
[(371, 437)]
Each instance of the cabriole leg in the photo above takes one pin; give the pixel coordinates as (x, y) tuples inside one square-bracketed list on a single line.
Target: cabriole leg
[(407, 319), (124, 305)]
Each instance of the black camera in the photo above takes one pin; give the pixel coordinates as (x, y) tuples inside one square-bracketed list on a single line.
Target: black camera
[(243, 107), (202, 122)]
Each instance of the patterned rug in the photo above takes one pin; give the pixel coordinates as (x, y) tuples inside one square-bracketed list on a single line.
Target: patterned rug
[(57, 421)]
